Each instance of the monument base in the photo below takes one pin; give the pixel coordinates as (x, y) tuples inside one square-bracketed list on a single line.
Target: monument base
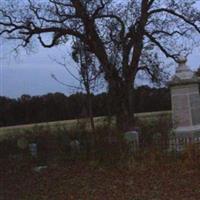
[(185, 106), (189, 131), (184, 136)]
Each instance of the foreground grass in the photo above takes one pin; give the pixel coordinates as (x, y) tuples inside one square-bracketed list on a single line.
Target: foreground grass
[(178, 180)]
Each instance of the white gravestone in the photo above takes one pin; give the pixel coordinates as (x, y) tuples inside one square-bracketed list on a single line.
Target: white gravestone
[(185, 101), (132, 140)]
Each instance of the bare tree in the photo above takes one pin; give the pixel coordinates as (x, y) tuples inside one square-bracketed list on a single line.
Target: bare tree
[(88, 75), (120, 35)]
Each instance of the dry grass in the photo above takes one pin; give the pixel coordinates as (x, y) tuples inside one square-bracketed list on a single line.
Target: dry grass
[(68, 124), (86, 180)]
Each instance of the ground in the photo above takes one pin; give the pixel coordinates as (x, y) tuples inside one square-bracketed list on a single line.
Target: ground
[(91, 181)]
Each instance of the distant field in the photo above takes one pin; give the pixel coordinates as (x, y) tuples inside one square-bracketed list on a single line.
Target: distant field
[(68, 124)]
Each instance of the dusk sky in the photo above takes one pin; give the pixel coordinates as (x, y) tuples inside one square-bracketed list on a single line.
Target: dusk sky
[(31, 74)]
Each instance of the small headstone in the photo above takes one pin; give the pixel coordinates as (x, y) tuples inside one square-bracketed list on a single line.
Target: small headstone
[(75, 146), (38, 169), (132, 139), (33, 149), (131, 136)]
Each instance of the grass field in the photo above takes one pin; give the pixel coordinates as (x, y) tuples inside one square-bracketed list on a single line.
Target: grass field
[(69, 124)]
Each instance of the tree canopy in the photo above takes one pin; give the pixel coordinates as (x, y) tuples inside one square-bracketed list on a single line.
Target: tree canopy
[(57, 106)]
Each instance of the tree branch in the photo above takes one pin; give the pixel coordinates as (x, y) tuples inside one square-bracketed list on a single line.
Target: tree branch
[(122, 32), (64, 16), (174, 13), (166, 53)]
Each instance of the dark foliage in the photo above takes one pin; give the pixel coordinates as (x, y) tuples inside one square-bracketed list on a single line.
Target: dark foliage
[(57, 106)]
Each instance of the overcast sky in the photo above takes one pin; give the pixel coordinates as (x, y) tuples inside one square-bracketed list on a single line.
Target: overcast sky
[(31, 74)]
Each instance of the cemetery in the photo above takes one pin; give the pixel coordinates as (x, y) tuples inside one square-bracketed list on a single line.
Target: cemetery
[(100, 138), (169, 153), (182, 123)]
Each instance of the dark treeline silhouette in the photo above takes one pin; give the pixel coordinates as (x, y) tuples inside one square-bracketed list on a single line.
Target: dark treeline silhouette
[(57, 106)]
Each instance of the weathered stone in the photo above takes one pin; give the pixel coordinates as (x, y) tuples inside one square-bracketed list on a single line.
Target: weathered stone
[(196, 116), (195, 101), (132, 140), (33, 149), (180, 102), (181, 118), (75, 146), (185, 101), (131, 136)]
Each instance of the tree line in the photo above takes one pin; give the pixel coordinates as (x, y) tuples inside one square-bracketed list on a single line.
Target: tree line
[(121, 38), (57, 106)]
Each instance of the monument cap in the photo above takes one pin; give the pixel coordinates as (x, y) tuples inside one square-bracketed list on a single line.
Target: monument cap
[(181, 59)]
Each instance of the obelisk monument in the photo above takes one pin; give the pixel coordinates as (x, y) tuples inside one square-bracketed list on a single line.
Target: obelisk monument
[(185, 100)]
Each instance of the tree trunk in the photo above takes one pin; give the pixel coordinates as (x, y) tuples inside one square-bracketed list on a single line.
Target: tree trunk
[(89, 108), (123, 102), (90, 112), (130, 105)]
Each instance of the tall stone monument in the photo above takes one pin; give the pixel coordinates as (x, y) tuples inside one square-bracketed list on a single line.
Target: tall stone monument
[(185, 99)]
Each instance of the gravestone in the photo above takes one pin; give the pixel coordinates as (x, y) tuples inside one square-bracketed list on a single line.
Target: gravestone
[(132, 140), (75, 146), (185, 100), (131, 136), (33, 149)]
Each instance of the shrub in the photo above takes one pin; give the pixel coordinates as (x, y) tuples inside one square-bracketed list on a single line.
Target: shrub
[(155, 133)]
